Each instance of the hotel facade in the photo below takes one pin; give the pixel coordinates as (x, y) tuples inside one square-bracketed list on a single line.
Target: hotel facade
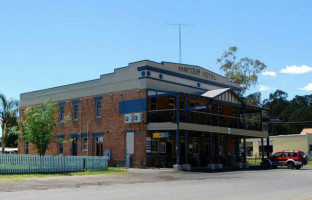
[(152, 115)]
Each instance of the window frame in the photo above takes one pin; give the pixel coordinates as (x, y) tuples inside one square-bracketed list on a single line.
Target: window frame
[(84, 145), (195, 142), (76, 112), (62, 109), (60, 148), (155, 140), (98, 109)]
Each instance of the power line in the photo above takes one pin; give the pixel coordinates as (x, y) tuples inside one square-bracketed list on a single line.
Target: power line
[(303, 122)]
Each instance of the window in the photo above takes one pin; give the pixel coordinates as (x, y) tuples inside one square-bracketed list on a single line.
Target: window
[(61, 113), (85, 144), (181, 103), (75, 111), (153, 104), (310, 147), (171, 103), (154, 145), (60, 148), (278, 154), (220, 110), (98, 108), (195, 145), (163, 147), (26, 147)]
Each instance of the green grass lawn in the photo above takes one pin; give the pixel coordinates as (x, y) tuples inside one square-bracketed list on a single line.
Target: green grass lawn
[(253, 162), (19, 177)]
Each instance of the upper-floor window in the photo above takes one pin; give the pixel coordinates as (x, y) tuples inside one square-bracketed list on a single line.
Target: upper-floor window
[(61, 113), (153, 104), (76, 111), (171, 103), (98, 108), (220, 110)]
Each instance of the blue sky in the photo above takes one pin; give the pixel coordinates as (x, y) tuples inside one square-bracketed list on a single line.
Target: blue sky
[(50, 43)]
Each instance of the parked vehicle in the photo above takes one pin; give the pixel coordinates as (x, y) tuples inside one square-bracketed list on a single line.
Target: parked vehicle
[(291, 159)]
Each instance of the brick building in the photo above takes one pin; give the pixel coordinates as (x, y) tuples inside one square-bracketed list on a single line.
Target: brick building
[(160, 114)]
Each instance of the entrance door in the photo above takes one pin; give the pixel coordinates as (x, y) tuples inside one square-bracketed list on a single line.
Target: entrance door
[(196, 155), (130, 142), (169, 148), (99, 149), (182, 153), (74, 147)]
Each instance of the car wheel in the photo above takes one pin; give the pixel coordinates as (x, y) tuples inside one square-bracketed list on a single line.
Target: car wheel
[(290, 165), (298, 167), (274, 167), (266, 164)]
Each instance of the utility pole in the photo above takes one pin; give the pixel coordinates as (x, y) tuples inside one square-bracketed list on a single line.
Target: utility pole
[(180, 54)]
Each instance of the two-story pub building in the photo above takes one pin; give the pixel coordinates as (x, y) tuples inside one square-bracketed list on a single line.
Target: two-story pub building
[(159, 114)]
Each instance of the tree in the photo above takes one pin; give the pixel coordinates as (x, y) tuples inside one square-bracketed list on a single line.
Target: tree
[(8, 117), (38, 125), (243, 71), (254, 99)]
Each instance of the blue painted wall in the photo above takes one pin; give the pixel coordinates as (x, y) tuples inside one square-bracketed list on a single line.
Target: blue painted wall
[(136, 105)]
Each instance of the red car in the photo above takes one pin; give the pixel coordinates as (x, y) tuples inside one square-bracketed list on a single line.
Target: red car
[(291, 159)]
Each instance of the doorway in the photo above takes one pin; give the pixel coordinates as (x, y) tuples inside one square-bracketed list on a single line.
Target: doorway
[(99, 146), (74, 147)]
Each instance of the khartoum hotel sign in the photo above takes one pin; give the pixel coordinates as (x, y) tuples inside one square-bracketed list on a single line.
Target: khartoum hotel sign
[(197, 72)]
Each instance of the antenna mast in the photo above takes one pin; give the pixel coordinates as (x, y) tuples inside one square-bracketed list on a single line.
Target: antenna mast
[(180, 54)]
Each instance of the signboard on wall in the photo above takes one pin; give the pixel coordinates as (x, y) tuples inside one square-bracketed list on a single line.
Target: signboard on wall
[(161, 135), (148, 145), (100, 139), (199, 107)]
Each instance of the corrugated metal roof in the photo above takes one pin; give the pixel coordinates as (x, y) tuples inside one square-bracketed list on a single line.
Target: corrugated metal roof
[(214, 93)]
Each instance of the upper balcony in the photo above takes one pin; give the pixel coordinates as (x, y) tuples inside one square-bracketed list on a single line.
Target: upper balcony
[(221, 109), (204, 118)]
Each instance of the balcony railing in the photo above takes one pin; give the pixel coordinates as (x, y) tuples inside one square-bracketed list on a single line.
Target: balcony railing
[(205, 118)]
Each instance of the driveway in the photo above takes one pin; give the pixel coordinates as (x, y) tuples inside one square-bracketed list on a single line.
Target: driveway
[(166, 184)]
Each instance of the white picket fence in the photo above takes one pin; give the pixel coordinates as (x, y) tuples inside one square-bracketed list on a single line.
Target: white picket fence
[(22, 164)]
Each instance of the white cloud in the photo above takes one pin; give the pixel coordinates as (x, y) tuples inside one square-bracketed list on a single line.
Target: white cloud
[(294, 69), (307, 87), (263, 88), (269, 73)]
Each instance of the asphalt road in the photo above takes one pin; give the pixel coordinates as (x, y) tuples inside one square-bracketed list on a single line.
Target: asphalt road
[(159, 184)]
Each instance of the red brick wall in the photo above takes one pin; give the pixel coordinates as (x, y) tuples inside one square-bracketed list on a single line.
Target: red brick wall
[(111, 123)]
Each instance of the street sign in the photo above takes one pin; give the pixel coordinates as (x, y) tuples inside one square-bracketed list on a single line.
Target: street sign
[(276, 119)]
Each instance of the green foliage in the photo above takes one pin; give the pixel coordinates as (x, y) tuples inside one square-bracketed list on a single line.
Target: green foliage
[(8, 118), (12, 140), (38, 125), (299, 109), (254, 99), (243, 71)]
